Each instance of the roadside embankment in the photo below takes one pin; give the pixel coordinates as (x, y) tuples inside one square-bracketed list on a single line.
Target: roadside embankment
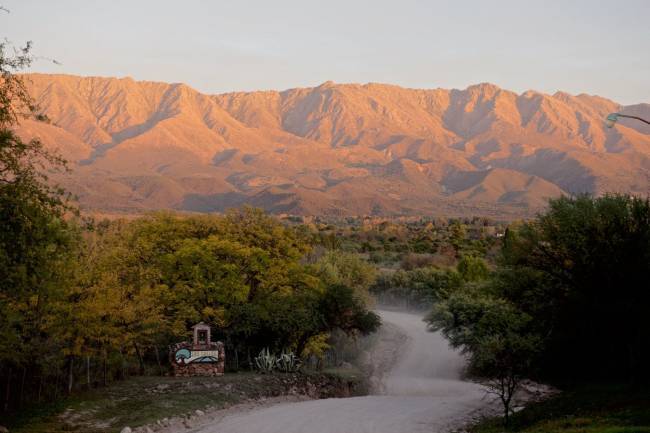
[(160, 401)]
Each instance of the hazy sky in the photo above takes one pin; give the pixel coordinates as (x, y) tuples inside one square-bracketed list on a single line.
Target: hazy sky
[(590, 46)]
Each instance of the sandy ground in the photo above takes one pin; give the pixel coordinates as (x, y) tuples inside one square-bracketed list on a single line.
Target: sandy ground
[(422, 392)]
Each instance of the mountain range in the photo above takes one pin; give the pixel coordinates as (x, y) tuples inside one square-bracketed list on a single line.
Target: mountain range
[(335, 149)]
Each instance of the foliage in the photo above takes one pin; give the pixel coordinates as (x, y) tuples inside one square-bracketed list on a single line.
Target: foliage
[(473, 268), (38, 243), (389, 240), (580, 270), (288, 362), (498, 339), (139, 285), (566, 304), (412, 261), (266, 362), (341, 268), (248, 282), (316, 346), (340, 308), (418, 288)]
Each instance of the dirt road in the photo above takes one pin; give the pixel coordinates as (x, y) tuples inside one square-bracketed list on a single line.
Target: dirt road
[(421, 393)]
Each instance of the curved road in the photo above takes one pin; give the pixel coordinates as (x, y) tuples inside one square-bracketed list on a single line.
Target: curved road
[(422, 393)]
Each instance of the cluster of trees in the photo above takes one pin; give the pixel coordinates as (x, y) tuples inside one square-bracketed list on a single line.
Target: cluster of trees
[(387, 241), (127, 289), (242, 272), (422, 287), (83, 303), (567, 303)]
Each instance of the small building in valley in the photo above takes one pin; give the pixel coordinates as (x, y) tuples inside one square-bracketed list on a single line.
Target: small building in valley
[(201, 357)]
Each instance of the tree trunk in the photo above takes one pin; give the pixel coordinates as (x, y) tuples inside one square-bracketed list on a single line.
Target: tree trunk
[(40, 387), (56, 385), (160, 369), (302, 342), (122, 365), (70, 374), (88, 371), (8, 391), (140, 360), (105, 362), (22, 387), (508, 387)]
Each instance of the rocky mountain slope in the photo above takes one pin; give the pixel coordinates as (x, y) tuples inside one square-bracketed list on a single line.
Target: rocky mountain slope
[(338, 149)]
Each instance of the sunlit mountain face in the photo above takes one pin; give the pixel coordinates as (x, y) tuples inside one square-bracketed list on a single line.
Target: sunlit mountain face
[(335, 149)]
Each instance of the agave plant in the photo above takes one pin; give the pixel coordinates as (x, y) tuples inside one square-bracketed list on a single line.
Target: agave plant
[(266, 362), (288, 362)]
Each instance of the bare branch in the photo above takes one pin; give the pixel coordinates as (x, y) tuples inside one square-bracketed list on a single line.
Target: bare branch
[(48, 59)]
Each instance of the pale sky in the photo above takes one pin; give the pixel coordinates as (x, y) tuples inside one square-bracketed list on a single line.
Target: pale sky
[(580, 46)]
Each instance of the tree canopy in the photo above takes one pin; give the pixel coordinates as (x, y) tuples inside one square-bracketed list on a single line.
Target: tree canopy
[(581, 271), (566, 303)]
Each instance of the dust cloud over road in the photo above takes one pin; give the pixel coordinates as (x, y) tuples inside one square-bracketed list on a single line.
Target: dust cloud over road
[(421, 393)]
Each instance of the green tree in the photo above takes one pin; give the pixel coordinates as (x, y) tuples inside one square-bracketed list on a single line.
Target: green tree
[(498, 338), (473, 268), (348, 269), (457, 235), (36, 242), (586, 261)]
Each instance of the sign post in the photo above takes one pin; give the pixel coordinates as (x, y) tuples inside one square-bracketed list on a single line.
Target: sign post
[(202, 357)]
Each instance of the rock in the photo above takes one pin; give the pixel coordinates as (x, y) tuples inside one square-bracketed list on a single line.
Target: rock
[(126, 430), (148, 430), (199, 412), (3, 429)]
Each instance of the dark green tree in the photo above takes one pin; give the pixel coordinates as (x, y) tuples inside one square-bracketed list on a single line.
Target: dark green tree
[(586, 263), (35, 239), (473, 268)]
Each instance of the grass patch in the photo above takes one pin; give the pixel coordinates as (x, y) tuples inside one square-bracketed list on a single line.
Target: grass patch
[(592, 409)]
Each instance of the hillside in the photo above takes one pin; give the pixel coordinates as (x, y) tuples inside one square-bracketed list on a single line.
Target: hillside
[(336, 149)]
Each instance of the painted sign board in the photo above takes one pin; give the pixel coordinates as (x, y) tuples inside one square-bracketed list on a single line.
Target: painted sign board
[(188, 356)]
